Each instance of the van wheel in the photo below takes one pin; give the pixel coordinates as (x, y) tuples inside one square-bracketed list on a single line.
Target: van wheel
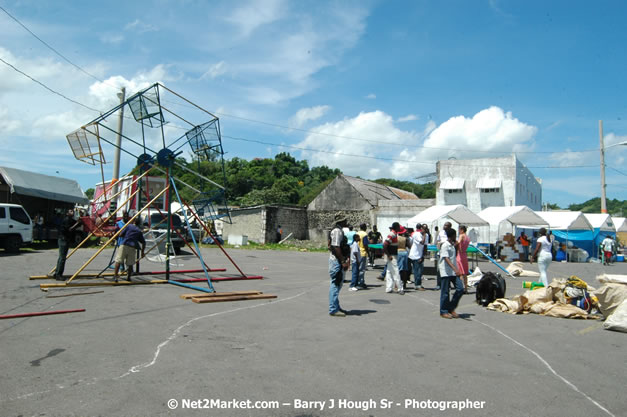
[(13, 244)]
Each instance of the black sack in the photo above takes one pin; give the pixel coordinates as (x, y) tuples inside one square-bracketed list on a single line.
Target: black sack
[(490, 287)]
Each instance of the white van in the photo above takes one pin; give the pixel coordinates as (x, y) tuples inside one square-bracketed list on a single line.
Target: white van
[(16, 227)]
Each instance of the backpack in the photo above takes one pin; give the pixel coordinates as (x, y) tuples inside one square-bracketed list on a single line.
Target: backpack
[(490, 287), (344, 246)]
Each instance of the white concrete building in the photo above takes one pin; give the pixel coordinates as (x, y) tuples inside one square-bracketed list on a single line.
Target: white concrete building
[(487, 182)]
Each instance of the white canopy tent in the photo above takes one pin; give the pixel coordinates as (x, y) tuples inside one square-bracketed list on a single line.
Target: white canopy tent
[(437, 215), (620, 225), (564, 220), (601, 221), (502, 220)]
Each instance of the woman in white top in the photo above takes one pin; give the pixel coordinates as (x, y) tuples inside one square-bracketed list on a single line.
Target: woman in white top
[(543, 246)]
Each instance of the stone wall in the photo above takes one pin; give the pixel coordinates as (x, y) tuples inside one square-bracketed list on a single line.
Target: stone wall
[(292, 220), (321, 221)]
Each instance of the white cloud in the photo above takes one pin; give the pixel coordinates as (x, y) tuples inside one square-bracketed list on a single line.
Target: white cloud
[(553, 125), (407, 118), (255, 14), (371, 96), (489, 130), (56, 126), (376, 127), (302, 116), (104, 94), (612, 139), (7, 123), (139, 26), (215, 70), (287, 50), (41, 69), (111, 38), (568, 158)]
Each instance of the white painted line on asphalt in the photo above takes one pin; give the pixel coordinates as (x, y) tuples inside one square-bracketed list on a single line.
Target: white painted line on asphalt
[(567, 382), (139, 368), (537, 355)]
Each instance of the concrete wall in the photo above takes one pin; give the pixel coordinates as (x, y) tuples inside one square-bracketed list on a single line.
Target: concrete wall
[(246, 222), (518, 185), (529, 190), (260, 223), (339, 195)]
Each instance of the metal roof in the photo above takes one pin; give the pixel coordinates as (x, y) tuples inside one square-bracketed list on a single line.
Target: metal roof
[(43, 186), (373, 192), (452, 184)]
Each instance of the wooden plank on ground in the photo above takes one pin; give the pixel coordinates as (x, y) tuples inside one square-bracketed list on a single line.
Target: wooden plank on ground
[(101, 284), (74, 293), (218, 294), (201, 300)]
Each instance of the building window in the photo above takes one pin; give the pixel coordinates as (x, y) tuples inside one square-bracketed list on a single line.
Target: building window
[(453, 191), (490, 190)]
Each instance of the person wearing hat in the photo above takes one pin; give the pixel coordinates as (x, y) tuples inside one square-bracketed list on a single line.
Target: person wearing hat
[(402, 260), (339, 260), (390, 249)]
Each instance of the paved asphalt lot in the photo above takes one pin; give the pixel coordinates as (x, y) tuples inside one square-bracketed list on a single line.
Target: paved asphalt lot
[(136, 348)]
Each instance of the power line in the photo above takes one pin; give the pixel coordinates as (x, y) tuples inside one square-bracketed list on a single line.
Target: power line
[(48, 88), (387, 159), (54, 50), (289, 146), (313, 132), (614, 169)]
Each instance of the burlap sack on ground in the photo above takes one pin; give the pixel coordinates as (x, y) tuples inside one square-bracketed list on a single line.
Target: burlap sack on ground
[(516, 269), (618, 320), (541, 307), (538, 295), (610, 297), (513, 306), (612, 278), (549, 301), (566, 311)]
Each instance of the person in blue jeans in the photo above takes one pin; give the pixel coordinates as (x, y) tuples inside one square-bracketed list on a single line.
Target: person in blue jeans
[(355, 263), (417, 255), (339, 260), (447, 265)]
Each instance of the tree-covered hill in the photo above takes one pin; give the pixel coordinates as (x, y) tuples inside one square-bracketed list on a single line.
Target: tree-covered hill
[(278, 180)]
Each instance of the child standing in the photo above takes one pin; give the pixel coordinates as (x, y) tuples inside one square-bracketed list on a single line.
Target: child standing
[(355, 261), (449, 272)]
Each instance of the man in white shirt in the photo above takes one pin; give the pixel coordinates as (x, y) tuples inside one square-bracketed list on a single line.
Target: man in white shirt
[(608, 246), (417, 256), (339, 260), (439, 240)]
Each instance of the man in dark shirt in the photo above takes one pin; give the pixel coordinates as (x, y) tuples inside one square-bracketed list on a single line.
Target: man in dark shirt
[(64, 232), (132, 237)]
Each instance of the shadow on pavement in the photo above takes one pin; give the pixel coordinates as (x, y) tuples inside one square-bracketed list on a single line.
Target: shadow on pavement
[(359, 312)]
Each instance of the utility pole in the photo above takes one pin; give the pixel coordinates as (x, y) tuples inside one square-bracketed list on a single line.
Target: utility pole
[(603, 202), (118, 142)]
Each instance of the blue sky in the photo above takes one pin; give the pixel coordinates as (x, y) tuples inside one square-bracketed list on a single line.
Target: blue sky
[(401, 83)]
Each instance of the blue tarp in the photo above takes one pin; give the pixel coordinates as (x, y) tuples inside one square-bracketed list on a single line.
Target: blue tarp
[(587, 240)]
